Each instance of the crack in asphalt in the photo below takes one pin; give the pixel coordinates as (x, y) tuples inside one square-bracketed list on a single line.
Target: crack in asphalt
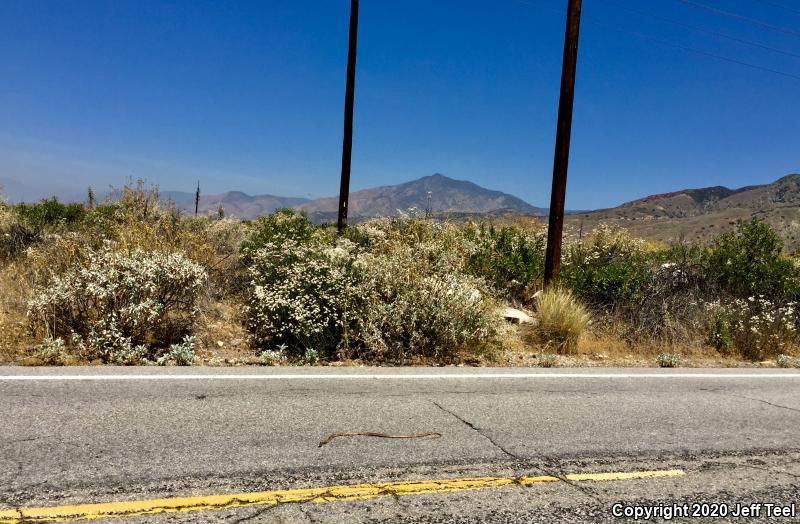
[(769, 470), (734, 395), (30, 439), (256, 514), (307, 516), (550, 463), (552, 466), (477, 429), (763, 402)]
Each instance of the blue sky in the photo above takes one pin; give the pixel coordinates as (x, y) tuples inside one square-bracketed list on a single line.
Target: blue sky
[(249, 95)]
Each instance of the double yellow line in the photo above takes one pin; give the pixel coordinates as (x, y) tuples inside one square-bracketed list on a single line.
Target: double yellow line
[(316, 495)]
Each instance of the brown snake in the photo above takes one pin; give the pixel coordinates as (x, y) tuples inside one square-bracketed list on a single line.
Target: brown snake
[(431, 434)]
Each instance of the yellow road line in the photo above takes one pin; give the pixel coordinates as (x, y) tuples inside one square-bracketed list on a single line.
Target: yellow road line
[(318, 495)]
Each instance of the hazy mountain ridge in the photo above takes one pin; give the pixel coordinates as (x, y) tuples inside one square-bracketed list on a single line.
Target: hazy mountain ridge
[(235, 203)]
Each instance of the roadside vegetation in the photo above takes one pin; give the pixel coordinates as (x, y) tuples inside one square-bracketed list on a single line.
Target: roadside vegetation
[(134, 281)]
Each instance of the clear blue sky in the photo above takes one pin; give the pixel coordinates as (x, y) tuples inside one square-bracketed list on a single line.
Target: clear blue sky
[(249, 95)]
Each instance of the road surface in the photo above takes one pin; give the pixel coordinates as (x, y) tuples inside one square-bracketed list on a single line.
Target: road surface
[(545, 445)]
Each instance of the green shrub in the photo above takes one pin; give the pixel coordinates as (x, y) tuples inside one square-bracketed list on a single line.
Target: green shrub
[(609, 286), (749, 262), (15, 236), (548, 360), (510, 259), (719, 334), (608, 270), (49, 213), (273, 229), (560, 320)]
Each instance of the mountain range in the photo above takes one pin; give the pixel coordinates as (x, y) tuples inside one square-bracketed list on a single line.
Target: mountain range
[(691, 214), (702, 214), (438, 193), (235, 203)]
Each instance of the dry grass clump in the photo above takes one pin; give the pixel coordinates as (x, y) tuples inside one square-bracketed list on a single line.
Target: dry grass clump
[(561, 320), (14, 294)]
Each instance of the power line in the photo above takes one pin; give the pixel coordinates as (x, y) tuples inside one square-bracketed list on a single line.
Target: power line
[(673, 45), (706, 31), (696, 51), (737, 16), (776, 4)]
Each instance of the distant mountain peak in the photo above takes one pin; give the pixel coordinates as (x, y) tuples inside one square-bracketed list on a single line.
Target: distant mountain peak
[(442, 193)]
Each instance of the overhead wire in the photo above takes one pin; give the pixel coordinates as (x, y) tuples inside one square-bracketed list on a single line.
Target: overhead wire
[(781, 6), (737, 16), (699, 29), (667, 43), (689, 49)]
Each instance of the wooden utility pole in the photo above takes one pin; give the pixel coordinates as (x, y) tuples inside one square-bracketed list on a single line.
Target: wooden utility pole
[(197, 199), (349, 96), (552, 265)]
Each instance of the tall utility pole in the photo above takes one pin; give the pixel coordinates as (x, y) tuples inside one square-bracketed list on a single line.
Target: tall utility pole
[(349, 96), (197, 199), (552, 265)]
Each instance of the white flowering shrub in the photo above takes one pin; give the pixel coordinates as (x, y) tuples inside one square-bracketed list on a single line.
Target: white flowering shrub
[(415, 311), (785, 361), (121, 307), (668, 360), (301, 297), (392, 290), (757, 327), (605, 244), (440, 247), (50, 352), (421, 301), (273, 357), (180, 354)]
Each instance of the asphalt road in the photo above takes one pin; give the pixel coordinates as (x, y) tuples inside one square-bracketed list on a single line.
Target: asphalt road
[(77, 435)]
